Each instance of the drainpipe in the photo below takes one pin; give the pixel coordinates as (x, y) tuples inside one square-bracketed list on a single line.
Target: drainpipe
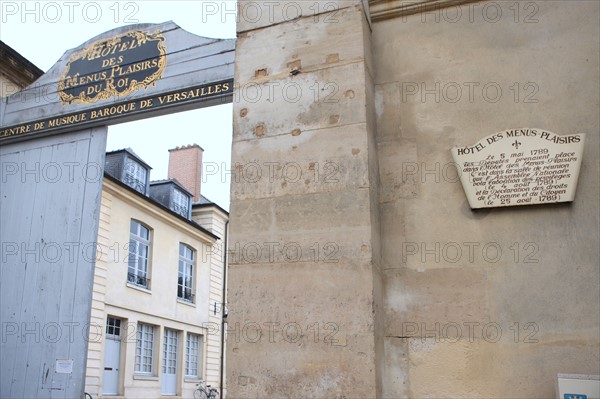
[(223, 314)]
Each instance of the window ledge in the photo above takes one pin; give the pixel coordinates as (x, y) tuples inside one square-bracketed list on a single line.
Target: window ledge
[(188, 303), (192, 379), (145, 377), (137, 287)]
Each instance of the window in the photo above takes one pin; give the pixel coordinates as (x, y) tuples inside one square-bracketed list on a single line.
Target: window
[(135, 176), (185, 278), (181, 203), (139, 248), (193, 356), (144, 349), (113, 326)]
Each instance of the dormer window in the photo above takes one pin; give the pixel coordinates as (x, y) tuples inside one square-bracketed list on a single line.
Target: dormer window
[(127, 167), (181, 203), (171, 194), (135, 176)]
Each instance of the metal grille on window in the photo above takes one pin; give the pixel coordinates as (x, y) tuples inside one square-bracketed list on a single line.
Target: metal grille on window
[(186, 273), (135, 176), (180, 203)]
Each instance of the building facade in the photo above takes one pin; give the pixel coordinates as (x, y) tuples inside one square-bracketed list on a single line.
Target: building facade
[(358, 269), (374, 276), (158, 292), (158, 286), (16, 71)]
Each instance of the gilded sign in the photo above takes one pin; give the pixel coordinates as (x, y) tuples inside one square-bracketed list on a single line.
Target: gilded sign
[(113, 67), (218, 91)]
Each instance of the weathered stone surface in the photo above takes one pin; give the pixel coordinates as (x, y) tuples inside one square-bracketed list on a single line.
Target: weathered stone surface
[(298, 333), (309, 247), (434, 302), (399, 172), (307, 41), (526, 271), (254, 15), (323, 98), (302, 229), (313, 161), (494, 369), (395, 375), (494, 294), (572, 316)]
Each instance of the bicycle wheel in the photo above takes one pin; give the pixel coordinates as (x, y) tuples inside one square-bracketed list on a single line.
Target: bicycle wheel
[(200, 394), (214, 394)]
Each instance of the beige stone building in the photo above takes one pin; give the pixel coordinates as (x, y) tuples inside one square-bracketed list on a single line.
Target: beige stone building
[(158, 286), (16, 71), (374, 278)]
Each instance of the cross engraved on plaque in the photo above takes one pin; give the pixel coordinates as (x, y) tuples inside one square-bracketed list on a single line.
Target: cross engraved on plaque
[(520, 167)]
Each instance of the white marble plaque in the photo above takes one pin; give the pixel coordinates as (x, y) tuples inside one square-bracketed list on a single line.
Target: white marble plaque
[(520, 167)]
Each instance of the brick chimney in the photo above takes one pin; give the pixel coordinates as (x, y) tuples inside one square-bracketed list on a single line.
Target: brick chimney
[(185, 165)]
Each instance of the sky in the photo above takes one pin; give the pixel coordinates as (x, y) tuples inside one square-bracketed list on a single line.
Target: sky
[(42, 31)]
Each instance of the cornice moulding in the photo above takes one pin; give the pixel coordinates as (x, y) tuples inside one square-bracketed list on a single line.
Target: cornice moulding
[(386, 9), (154, 212)]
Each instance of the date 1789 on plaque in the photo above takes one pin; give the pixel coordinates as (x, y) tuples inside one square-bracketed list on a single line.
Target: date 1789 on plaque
[(520, 167)]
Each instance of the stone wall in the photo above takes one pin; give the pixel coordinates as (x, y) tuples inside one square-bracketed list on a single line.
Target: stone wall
[(519, 284), (304, 290), (348, 217)]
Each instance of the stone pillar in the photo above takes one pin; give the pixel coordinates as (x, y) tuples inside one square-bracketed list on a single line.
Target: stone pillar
[(304, 289)]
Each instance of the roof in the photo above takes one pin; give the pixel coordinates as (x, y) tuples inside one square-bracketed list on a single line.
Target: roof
[(206, 203), (159, 205), (23, 64), (129, 151), (203, 201), (171, 181)]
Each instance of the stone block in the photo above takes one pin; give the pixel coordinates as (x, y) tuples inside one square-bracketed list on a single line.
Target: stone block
[(298, 163), (254, 15), (313, 100)]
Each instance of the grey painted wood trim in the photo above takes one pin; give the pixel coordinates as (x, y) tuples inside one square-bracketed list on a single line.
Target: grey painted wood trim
[(49, 210)]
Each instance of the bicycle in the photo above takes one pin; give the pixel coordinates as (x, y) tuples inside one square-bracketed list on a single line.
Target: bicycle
[(207, 392)]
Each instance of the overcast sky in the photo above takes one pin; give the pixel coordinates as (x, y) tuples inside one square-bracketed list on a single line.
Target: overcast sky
[(42, 31)]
